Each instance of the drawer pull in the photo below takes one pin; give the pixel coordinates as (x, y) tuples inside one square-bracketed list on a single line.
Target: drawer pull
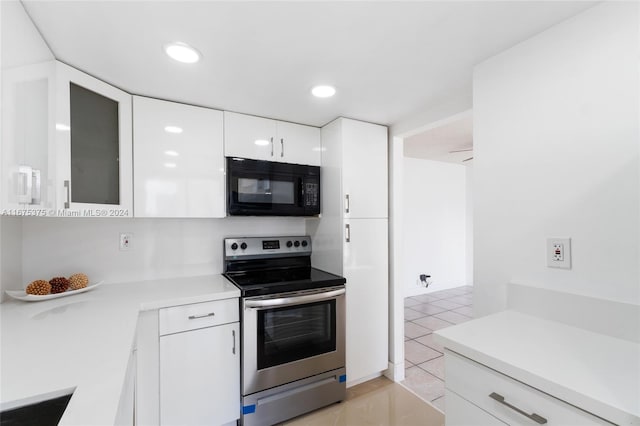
[(210, 314), (533, 416)]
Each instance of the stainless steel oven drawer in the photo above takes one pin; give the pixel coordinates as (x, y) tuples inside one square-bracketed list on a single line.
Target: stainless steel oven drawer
[(198, 315), (275, 405)]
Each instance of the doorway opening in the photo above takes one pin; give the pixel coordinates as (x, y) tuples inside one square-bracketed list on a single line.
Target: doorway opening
[(432, 240)]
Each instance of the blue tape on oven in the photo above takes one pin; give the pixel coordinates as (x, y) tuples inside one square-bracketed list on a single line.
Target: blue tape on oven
[(249, 409), (342, 378)]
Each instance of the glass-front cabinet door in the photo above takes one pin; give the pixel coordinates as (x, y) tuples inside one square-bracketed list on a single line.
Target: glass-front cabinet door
[(94, 146)]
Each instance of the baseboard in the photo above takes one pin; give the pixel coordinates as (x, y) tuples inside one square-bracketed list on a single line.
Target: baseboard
[(364, 379), (395, 372)]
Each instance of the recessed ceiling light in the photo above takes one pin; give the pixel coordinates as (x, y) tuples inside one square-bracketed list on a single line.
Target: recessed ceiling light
[(170, 165), (323, 91), (62, 127), (171, 153), (173, 129), (182, 52), (261, 142)]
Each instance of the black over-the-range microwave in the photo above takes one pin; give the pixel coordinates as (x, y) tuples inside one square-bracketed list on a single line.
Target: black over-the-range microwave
[(268, 188)]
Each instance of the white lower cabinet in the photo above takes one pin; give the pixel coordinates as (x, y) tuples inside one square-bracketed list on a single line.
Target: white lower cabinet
[(491, 394), (366, 269), (200, 376)]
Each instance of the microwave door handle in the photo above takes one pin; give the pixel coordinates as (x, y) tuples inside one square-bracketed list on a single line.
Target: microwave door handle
[(301, 192), (295, 300)]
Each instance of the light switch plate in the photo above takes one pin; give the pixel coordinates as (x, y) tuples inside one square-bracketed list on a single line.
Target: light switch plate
[(559, 253)]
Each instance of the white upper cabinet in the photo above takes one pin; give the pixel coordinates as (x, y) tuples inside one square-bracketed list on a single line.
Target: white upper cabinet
[(247, 136), (298, 144), (258, 138), (364, 170), (179, 160), (28, 160), (93, 146)]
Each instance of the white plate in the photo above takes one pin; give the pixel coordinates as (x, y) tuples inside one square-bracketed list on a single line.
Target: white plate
[(22, 295)]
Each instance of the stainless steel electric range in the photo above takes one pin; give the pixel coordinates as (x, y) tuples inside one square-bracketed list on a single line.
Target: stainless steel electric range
[(293, 328)]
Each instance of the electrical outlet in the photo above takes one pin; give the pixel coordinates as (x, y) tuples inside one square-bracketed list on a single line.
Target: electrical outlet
[(125, 241), (559, 253)]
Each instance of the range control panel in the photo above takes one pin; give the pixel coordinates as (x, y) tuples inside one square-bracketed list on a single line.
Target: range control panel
[(265, 247)]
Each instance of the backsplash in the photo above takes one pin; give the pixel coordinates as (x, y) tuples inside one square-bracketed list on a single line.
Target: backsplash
[(160, 248)]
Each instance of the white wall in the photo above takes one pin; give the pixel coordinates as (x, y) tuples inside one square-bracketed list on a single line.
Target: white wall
[(435, 218), (556, 154), (469, 224), (424, 119), (161, 248)]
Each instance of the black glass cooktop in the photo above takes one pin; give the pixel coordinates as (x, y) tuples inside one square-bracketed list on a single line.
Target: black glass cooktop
[(282, 280)]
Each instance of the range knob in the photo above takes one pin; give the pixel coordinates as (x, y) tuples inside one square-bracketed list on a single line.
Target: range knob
[(234, 246), (289, 244), (304, 243), (297, 244), (243, 246)]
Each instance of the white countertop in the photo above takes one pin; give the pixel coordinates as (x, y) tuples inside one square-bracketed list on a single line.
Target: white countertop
[(84, 341), (596, 372)]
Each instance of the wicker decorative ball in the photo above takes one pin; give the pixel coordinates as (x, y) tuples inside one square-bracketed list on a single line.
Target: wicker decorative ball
[(39, 287), (59, 284), (78, 281)]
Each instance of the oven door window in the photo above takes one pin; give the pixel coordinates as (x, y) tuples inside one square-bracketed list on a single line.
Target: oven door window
[(266, 191), (297, 332)]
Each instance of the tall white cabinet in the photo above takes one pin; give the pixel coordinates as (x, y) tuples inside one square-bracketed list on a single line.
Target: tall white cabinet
[(351, 236)]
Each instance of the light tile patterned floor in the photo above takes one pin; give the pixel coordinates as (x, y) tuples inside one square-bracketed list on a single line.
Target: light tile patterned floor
[(424, 360)]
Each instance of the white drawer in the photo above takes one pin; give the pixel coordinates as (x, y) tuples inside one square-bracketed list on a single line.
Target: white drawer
[(197, 315), (475, 383), (461, 412)]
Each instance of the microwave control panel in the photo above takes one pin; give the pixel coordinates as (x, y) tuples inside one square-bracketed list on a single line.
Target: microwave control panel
[(311, 194)]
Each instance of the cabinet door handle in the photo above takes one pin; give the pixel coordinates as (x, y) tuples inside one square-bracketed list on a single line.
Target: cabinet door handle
[(26, 177), (67, 184), (346, 203), (210, 314), (233, 334), (347, 233), (35, 191), (272, 146), (533, 416), (281, 147)]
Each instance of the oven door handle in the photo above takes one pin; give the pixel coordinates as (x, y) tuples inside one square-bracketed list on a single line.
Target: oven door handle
[(295, 300)]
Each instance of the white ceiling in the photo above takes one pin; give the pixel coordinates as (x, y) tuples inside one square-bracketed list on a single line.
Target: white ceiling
[(437, 143), (387, 59)]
